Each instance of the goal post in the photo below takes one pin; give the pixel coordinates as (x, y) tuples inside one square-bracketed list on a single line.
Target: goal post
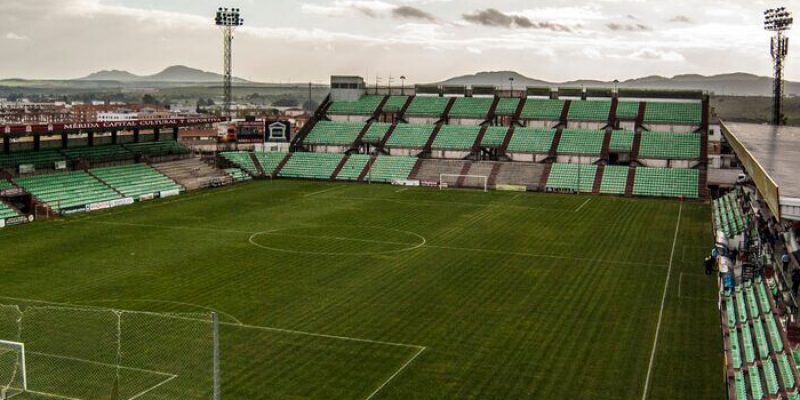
[(13, 374), (463, 181)]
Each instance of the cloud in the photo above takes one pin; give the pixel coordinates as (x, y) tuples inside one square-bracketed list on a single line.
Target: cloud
[(493, 18), (616, 27), (369, 8), (412, 13), (15, 36), (648, 54), (681, 19)]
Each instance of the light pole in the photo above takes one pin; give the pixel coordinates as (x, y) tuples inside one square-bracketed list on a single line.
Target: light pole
[(228, 20), (402, 85), (616, 87), (511, 79), (778, 20)]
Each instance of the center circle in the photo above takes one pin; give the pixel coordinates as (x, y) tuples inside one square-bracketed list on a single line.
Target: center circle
[(338, 240)]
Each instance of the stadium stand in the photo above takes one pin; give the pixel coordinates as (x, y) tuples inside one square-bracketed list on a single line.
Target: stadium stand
[(107, 153), (531, 140), (670, 146), (353, 168), (589, 110), (427, 106), (578, 141), (386, 169), (615, 178), (67, 190), (494, 137), (543, 109), (410, 136), (193, 173), (366, 105), (311, 165), (238, 175), (158, 149), (135, 180), (270, 161), (376, 133), (621, 141), (566, 177), (4, 184), (627, 110), (754, 344), (454, 137), (673, 113), (334, 133), (728, 216), (39, 159), (507, 106), (395, 104), (666, 182), (471, 107), (242, 160), (5, 210)]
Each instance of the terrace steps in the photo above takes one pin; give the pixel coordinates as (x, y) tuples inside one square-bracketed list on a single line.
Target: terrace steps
[(556, 142), (493, 175), (281, 165), (631, 180), (507, 141), (518, 112), (360, 137), (492, 110), (402, 113), (415, 170), (565, 113), (191, 173), (476, 148), (598, 179), (432, 138), (367, 169), (257, 164), (339, 167), (447, 109), (379, 110), (464, 171), (545, 176), (606, 152), (637, 146)]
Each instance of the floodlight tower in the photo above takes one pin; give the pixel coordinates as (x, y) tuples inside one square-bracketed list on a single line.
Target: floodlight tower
[(228, 20), (778, 20)]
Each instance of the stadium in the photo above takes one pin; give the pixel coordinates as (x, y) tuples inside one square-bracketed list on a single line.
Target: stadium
[(425, 242)]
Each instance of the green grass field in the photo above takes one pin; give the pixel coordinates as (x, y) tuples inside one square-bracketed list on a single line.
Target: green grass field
[(376, 292)]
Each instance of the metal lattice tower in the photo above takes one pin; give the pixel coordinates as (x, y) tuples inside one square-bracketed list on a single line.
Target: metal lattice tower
[(228, 19), (778, 20)]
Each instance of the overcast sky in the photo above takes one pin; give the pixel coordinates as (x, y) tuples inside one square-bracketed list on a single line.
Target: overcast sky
[(426, 40)]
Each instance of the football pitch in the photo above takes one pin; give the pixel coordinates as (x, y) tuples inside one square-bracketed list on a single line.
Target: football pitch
[(362, 292)]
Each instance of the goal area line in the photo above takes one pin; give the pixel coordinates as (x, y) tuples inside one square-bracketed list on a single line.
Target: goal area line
[(461, 178)]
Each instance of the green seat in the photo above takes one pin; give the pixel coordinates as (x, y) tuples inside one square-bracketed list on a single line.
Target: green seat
[(507, 106), (270, 161), (455, 137), (427, 106), (543, 109), (376, 133), (589, 110), (242, 160), (366, 105), (494, 137), (386, 168), (670, 146), (673, 113), (581, 142), (615, 180), (573, 177), (471, 107), (353, 167), (410, 136), (395, 104), (311, 165), (531, 140), (334, 133), (666, 182), (621, 141)]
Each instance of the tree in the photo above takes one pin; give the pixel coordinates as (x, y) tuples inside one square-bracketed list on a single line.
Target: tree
[(310, 105), (285, 101), (149, 99)]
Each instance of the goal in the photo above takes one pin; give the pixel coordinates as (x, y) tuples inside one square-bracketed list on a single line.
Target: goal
[(463, 181), (13, 377)]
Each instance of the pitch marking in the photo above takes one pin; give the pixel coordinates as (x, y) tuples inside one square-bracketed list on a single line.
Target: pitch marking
[(583, 205), (402, 368), (323, 191), (663, 301)]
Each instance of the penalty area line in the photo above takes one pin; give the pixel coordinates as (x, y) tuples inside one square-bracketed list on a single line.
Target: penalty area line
[(396, 373), (583, 205)]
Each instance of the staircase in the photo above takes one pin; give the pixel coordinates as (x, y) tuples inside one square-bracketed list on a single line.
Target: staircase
[(492, 115), (281, 165), (637, 144), (504, 148), (415, 171), (702, 189), (446, 113), (598, 179), (339, 167), (257, 164), (389, 133), (556, 142), (640, 116), (629, 183), (402, 114), (612, 113), (192, 173), (367, 168), (565, 113), (378, 111), (520, 109), (545, 176), (431, 139), (476, 147), (360, 137), (606, 152), (464, 171)]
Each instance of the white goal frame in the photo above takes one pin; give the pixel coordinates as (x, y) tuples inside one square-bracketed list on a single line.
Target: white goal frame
[(20, 347), (457, 176)]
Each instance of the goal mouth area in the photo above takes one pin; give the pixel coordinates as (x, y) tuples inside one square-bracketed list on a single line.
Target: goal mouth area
[(463, 181), (13, 375)]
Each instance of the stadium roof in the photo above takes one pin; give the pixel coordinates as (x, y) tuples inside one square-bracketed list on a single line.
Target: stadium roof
[(771, 156)]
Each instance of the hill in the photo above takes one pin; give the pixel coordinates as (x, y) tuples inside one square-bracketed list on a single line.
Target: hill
[(734, 84), (173, 74)]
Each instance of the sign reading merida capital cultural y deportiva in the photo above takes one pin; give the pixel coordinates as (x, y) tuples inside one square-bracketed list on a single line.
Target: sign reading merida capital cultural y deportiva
[(108, 125)]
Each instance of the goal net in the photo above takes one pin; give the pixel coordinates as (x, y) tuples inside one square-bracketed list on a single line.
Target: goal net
[(70, 352), (13, 379), (464, 181)]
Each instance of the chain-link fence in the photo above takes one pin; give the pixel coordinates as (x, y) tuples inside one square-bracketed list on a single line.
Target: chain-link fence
[(88, 353)]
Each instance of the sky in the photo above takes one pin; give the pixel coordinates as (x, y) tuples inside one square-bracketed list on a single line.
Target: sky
[(425, 40)]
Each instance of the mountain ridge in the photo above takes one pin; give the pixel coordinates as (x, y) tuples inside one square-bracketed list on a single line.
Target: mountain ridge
[(171, 74)]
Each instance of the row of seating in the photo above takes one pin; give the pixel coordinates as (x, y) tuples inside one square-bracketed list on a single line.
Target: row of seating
[(583, 142), (100, 153), (666, 182), (270, 161), (136, 180), (571, 177), (6, 211), (334, 133), (728, 215), (615, 179), (531, 140), (311, 165), (670, 146), (456, 137), (410, 136), (67, 190), (673, 113), (386, 169), (353, 168), (238, 175), (755, 347), (242, 160), (376, 133)]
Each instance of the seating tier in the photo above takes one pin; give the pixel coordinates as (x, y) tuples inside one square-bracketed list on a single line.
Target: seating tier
[(621, 141), (666, 182), (531, 140), (73, 189), (135, 180), (455, 137), (410, 136), (106, 153), (158, 149), (366, 105), (395, 104), (242, 160), (386, 169), (507, 106), (673, 113), (575, 177), (311, 165), (471, 107), (670, 146), (376, 133), (353, 167), (270, 161), (39, 159), (578, 141), (543, 109), (589, 110), (334, 133), (427, 106), (615, 179), (494, 137)]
